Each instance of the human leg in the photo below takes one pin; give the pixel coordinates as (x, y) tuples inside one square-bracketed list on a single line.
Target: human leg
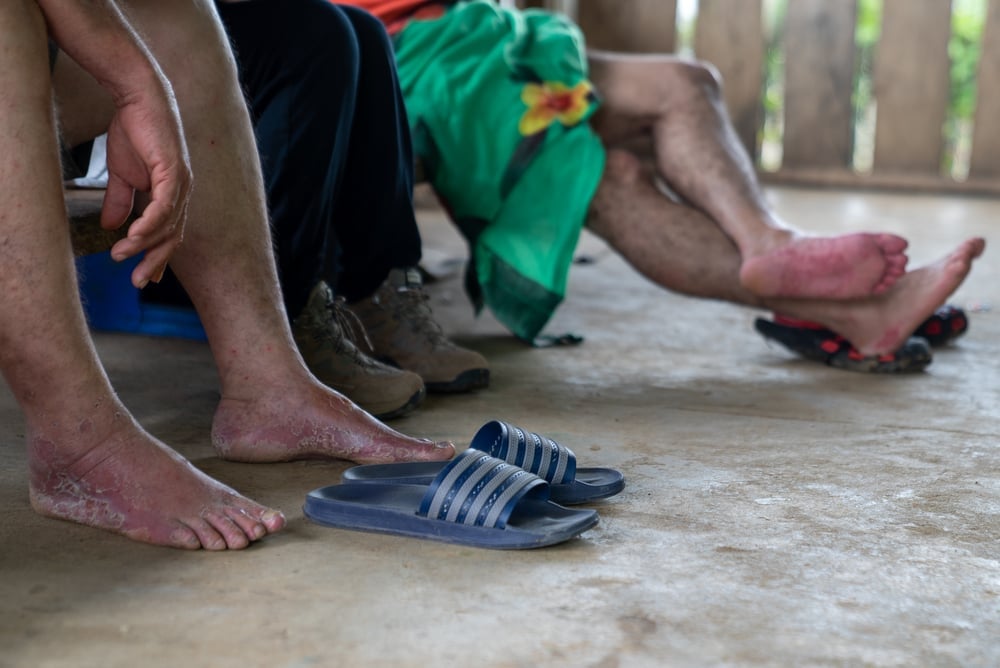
[(374, 216), (683, 250), (89, 461), (677, 105), (300, 66), (272, 409), (337, 162), (671, 243), (332, 184), (378, 232)]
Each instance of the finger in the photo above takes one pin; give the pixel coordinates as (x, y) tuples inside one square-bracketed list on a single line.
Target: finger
[(153, 264), (135, 243), (170, 191), (125, 248), (166, 239), (118, 199), (158, 217)]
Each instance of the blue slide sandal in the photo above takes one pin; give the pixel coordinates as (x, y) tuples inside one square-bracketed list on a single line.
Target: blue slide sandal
[(475, 500), (536, 454)]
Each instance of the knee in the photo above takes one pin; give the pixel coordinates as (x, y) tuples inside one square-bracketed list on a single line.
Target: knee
[(622, 174), (378, 61), (621, 167), (369, 30), (323, 31), (692, 79)]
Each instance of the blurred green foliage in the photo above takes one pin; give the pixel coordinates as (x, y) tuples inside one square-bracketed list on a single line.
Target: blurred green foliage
[(968, 17)]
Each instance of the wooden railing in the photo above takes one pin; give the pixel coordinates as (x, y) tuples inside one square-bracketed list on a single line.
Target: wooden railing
[(910, 83)]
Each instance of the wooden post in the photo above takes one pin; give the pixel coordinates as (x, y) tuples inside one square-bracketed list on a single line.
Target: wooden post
[(638, 26), (819, 79), (985, 162), (912, 85), (729, 35)]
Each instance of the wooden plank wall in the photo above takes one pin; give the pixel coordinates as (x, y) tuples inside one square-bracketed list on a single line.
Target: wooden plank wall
[(636, 26), (910, 83), (819, 77)]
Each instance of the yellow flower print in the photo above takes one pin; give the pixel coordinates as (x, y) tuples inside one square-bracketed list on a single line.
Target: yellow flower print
[(553, 101)]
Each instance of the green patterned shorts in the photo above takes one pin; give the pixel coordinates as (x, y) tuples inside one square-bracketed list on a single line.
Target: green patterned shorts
[(498, 101)]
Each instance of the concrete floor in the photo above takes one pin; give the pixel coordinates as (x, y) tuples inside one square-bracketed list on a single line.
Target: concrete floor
[(777, 512)]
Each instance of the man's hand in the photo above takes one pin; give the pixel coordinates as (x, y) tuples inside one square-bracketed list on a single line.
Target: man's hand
[(147, 153), (146, 148)]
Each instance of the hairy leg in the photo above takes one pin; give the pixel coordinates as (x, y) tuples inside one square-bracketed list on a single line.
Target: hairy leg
[(683, 250), (272, 409), (677, 106), (671, 243), (89, 461)]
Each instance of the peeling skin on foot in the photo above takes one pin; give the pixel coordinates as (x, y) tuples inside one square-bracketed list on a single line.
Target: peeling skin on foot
[(294, 441), (333, 429), (130, 484), (851, 266), (69, 500)]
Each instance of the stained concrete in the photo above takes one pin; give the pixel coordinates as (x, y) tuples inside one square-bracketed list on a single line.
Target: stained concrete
[(778, 512)]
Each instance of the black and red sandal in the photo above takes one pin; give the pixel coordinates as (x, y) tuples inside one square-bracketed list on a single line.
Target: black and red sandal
[(944, 326), (815, 342)]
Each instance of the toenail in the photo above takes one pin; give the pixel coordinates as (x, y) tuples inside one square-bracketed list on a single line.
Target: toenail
[(270, 517)]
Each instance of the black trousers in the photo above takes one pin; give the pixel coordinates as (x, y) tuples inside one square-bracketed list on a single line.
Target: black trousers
[(334, 143)]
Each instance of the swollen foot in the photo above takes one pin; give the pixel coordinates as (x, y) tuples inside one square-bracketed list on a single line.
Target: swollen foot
[(851, 266), (133, 485), (321, 425)]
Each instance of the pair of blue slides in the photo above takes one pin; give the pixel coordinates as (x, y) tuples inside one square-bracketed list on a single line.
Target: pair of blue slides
[(507, 491)]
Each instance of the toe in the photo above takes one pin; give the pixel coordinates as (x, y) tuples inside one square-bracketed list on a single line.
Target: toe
[(438, 452), (184, 538), (207, 535), (892, 243), (252, 528), (234, 535), (273, 520)]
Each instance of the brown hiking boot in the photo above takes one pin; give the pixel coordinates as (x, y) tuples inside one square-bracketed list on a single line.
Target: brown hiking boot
[(403, 332), (324, 333)]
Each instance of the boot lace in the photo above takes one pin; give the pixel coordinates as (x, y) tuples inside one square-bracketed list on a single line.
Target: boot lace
[(337, 326), (412, 306)]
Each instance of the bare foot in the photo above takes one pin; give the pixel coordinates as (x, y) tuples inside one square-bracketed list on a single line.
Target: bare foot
[(286, 426), (131, 484), (851, 266), (882, 324)]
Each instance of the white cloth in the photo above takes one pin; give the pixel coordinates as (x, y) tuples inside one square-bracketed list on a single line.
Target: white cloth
[(97, 170)]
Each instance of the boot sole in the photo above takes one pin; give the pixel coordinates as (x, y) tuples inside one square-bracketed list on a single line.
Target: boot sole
[(411, 405), (473, 379)]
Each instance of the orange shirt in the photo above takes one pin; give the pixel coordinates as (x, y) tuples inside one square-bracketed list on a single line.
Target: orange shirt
[(395, 13)]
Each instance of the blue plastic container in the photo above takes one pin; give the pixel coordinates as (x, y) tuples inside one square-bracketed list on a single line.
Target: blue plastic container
[(112, 304)]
